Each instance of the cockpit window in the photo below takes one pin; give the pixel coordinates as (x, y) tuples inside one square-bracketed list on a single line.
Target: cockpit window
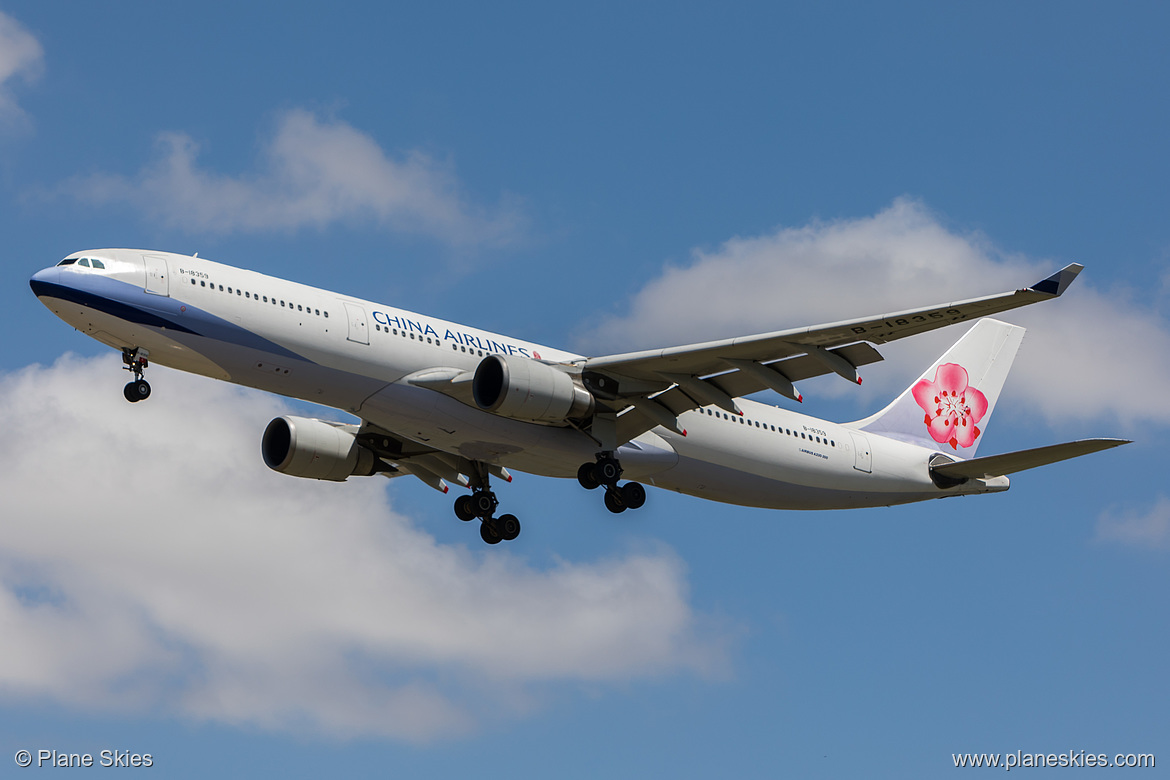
[(68, 261), (98, 263), (84, 261)]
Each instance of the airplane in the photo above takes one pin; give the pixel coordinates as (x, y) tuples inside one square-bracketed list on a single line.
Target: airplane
[(451, 404)]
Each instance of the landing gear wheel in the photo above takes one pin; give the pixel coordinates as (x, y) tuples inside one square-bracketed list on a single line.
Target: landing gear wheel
[(136, 363), (464, 509), (613, 501), (489, 533), (138, 390), (587, 476), (607, 471), (508, 526), (633, 495), (483, 503)]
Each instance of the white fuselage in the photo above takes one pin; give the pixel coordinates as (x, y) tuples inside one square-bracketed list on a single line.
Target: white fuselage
[(299, 341)]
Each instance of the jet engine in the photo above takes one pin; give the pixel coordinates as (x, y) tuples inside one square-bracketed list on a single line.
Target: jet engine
[(304, 447), (523, 389)]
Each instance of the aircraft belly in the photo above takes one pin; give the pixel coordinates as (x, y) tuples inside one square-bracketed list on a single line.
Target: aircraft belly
[(447, 424), (731, 486), (755, 467), (117, 333), (288, 376)]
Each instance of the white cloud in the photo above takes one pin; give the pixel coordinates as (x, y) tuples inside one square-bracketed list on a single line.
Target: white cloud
[(21, 56), (313, 173), (1150, 528), (151, 562), (1091, 354)]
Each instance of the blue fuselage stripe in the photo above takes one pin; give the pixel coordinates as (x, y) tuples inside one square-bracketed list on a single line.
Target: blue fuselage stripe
[(210, 326), (100, 303)]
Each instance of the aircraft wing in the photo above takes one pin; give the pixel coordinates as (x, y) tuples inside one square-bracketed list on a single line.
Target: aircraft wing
[(1011, 462), (658, 385), (433, 466)]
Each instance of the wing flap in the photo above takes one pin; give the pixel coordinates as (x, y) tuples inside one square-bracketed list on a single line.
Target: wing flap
[(430, 465), (795, 369)]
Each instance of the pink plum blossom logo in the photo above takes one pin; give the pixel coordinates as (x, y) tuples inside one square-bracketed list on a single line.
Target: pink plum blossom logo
[(952, 406)]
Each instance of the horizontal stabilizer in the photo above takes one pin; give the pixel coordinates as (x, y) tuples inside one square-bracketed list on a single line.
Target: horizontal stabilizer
[(1011, 462)]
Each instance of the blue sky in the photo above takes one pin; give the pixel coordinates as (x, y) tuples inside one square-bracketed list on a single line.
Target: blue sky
[(595, 178)]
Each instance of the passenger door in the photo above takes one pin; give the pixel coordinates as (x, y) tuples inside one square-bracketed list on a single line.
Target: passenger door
[(358, 331), (157, 282), (862, 459)]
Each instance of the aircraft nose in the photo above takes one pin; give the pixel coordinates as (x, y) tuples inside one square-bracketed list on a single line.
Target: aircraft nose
[(43, 279)]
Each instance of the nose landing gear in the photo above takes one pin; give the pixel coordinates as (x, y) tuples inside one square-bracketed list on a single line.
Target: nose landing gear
[(136, 363), (607, 471)]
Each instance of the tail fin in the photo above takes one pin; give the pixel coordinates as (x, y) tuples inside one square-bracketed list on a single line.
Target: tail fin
[(948, 408)]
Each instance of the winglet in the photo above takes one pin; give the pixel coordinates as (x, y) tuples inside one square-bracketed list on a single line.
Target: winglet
[(1059, 281)]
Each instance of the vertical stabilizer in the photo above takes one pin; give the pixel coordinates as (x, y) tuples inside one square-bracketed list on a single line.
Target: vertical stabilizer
[(950, 405)]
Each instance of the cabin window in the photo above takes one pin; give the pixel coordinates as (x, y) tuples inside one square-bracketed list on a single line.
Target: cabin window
[(299, 307), (192, 281), (203, 284), (326, 314), (317, 312), (221, 288)]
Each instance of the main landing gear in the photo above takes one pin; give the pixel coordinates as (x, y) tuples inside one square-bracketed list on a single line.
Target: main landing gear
[(136, 362), (607, 471), (482, 504)]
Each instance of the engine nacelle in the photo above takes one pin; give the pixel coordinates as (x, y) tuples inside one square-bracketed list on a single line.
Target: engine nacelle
[(304, 447), (523, 389)]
